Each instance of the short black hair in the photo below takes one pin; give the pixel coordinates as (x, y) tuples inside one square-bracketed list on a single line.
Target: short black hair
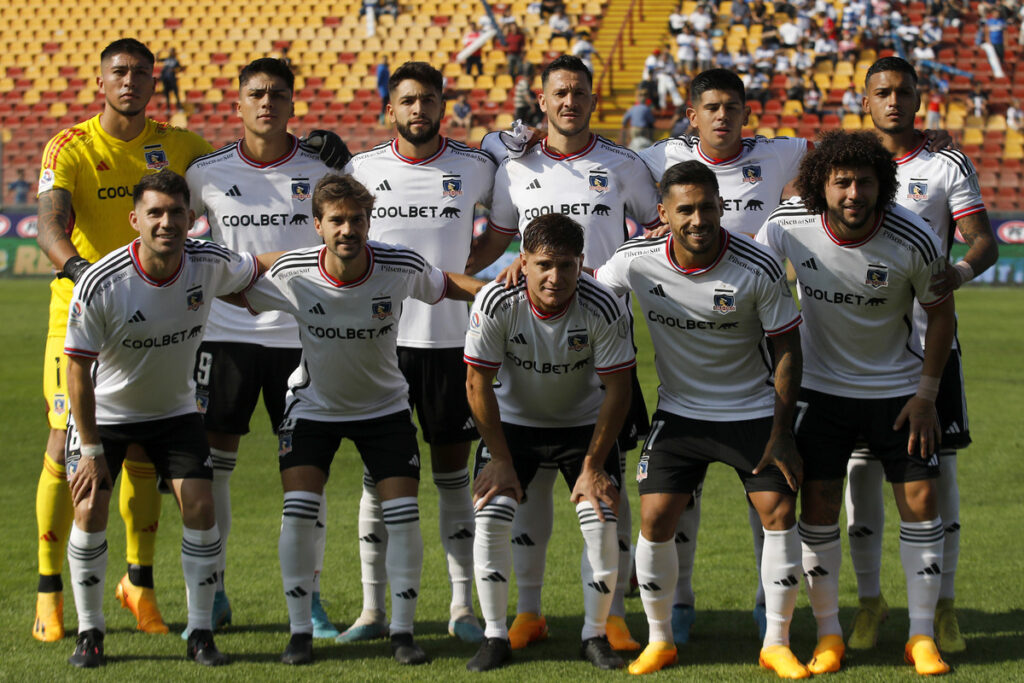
[(127, 46), (845, 149), (421, 72), (892, 64), (166, 182), (716, 79), (690, 172), (553, 232), (567, 63), (270, 66), (335, 187)]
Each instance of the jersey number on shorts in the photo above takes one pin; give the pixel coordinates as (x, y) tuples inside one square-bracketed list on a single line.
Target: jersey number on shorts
[(203, 368)]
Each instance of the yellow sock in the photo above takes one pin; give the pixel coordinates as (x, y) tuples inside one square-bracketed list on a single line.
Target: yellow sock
[(140, 508), (54, 514)]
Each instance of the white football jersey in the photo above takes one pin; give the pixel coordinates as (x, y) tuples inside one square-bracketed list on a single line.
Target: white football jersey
[(940, 187), (857, 298), (597, 187), (349, 368), (144, 333), (427, 205), (708, 324), (549, 362), (750, 183), (258, 208)]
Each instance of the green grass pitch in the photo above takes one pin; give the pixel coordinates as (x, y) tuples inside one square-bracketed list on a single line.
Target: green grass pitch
[(724, 645)]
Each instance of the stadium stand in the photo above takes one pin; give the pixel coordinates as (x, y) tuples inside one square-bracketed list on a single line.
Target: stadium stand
[(47, 66)]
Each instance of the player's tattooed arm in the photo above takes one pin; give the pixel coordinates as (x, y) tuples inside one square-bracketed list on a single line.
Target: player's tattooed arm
[(781, 447), (498, 477), (52, 225), (593, 484), (982, 254)]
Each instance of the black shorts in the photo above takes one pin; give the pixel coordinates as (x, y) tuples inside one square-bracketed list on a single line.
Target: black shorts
[(829, 427), (176, 446), (951, 404), (437, 391), (229, 377), (679, 449), (561, 447), (386, 444), (637, 424)]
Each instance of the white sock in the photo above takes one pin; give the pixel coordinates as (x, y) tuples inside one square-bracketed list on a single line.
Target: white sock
[(947, 492), (531, 531), (624, 534), (297, 553), (780, 577), (200, 553), (404, 559), (455, 518), (865, 515), (757, 534), (223, 465), (822, 557), (657, 571), (686, 550), (492, 562), (921, 553), (601, 555), (373, 539), (87, 565), (319, 543)]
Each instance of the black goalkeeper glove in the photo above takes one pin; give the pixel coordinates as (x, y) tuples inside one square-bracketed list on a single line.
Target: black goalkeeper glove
[(73, 268), (333, 150)]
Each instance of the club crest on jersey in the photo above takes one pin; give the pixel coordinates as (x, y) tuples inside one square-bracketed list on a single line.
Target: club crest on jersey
[(598, 181), (195, 299), (59, 404), (300, 189), (878, 276), (724, 301), (578, 341), (751, 174), (918, 191), (641, 468), (156, 157), (380, 308), (451, 186)]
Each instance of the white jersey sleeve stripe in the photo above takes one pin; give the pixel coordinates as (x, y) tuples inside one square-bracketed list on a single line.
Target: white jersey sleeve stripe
[(491, 225), (935, 303), (480, 362), (793, 324), (977, 208), (616, 368), (81, 353)]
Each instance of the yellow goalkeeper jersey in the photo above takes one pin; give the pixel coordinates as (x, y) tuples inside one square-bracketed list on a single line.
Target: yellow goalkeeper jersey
[(100, 171)]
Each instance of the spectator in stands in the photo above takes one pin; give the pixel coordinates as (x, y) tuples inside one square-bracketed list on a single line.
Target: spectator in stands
[(931, 32), (739, 14), (770, 35), (758, 12), (933, 115), (700, 19), (584, 49), (742, 61), (794, 86), (524, 100), (560, 25), (169, 78), (705, 51), (515, 44), (790, 33), (677, 21), (756, 84), (812, 99), (20, 187), (849, 45), (475, 58), (638, 121), (686, 49), (548, 7), (803, 59), (660, 70), (922, 51), (462, 113), (724, 60), (825, 48), (1014, 116), (679, 124), (995, 27), (977, 101), (764, 58), (283, 56), (383, 78), (953, 12), (852, 101)]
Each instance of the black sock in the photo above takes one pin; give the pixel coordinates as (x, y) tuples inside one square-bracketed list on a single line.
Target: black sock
[(140, 575), (50, 584)]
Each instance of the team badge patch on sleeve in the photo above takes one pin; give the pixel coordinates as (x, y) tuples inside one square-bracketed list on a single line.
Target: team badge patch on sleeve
[(380, 308), (451, 186), (156, 157), (300, 189), (195, 298), (752, 174), (725, 301), (878, 276), (59, 404), (578, 340), (599, 181)]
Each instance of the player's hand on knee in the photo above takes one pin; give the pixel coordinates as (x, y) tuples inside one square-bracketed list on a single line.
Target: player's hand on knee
[(90, 477), (496, 477), (596, 487), (925, 432), (781, 451), (510, 274)]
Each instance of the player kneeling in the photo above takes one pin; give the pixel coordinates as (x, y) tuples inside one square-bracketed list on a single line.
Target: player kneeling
[(347, 298), (552, 341), (139, 315)]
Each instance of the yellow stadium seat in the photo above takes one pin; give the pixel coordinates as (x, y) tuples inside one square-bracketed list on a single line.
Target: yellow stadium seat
[(851, 122), (996, 122), (497, 95), (1013, 151), (765, 131), (975, 122), (786, 132), (973, 136), (1014, 136), (476, 134), (793, 107), (484, 82), (503, 122)]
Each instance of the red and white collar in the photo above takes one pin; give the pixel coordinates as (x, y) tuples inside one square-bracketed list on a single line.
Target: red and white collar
[(699, 270), (909, 156), (335, 282), (270, 164), (851, 244), (417, 162), (133, 250), (569, 157)]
